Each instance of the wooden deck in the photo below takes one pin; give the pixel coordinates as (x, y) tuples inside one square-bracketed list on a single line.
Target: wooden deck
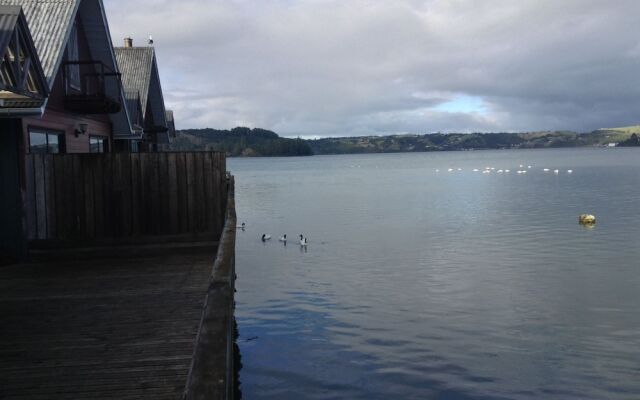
[(105, 329)]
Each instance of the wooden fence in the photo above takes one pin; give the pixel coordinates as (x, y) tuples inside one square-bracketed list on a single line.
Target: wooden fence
[(80, 199)]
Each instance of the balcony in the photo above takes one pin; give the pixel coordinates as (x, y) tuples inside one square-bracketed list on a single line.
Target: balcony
[(91, 88)]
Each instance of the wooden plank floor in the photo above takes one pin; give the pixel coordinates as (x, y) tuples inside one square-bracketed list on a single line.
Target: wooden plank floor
[(105, 329)]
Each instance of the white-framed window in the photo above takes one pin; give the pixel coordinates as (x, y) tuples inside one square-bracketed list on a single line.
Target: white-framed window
[(98, 144), (46, 141)]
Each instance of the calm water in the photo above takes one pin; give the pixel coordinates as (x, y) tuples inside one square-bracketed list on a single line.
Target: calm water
[(421, 284)]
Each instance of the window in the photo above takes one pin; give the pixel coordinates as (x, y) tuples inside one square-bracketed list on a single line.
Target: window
[(97, 144), (45, 141), (73, 54)]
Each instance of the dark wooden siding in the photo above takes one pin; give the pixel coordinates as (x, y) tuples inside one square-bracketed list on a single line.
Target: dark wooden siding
[(83, 199), (67, 124)]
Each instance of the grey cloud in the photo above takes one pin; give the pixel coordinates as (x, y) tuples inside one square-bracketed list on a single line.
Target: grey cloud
[(330, 67)]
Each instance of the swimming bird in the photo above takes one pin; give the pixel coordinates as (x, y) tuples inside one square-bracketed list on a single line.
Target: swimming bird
[(283, 238), (546, 170), (500, 171), (475, 170), (240, 226), (507, 170), (303, 241), (556, 171), (266, 237), (450, 170), (569, 171)]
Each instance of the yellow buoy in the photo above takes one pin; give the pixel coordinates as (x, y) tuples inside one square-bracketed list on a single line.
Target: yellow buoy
[(587, 219)]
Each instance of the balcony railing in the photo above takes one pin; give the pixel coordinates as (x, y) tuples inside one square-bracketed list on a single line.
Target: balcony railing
[(91, 87)]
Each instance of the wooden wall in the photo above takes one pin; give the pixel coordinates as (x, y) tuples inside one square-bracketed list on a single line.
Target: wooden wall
[(67, 123), (84, 199)]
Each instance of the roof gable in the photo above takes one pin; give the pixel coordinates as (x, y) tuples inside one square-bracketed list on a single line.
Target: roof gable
[(22, 81), (50, 23), (135, 64), (96, 28), (139, 70)]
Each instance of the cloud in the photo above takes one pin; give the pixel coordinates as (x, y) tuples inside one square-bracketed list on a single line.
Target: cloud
[(333, 67)]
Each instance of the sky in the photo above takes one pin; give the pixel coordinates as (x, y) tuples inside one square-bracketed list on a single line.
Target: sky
[(317, 68)]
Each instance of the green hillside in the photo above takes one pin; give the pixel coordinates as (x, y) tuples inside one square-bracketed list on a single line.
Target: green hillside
[(247, 142), (240, 141)]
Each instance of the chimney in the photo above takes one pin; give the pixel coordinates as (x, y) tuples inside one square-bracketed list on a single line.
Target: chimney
[(128, 42)]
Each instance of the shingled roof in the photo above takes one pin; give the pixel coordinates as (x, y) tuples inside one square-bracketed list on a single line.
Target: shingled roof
[(140, 74), (135, 65), (50, 24)]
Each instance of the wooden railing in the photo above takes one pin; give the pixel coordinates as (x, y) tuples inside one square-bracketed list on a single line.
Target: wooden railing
[(212, 371), (77, 199)]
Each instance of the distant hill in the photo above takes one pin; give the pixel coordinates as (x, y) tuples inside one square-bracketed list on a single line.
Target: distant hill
[(460, 141), (247, 142), (240, 141)]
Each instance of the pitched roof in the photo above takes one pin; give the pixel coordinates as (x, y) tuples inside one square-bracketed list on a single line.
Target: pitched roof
[(135, 64), (140, 74), (50, 23)]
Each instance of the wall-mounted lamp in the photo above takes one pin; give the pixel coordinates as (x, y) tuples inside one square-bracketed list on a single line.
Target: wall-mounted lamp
[(81, 129)]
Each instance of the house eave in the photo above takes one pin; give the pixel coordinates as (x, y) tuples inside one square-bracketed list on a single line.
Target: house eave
[(21, 112)]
